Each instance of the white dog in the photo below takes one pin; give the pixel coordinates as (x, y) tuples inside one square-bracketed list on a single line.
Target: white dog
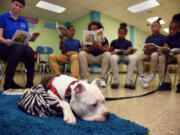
[(76, 97)]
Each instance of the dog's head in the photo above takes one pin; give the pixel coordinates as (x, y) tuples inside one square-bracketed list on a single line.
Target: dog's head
[(87, 102)]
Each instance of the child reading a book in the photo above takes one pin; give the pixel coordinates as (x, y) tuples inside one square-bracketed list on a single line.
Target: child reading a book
[(123, 44), (171, 41), (158, 39), (97, 53), (12, 53), (70, 49)]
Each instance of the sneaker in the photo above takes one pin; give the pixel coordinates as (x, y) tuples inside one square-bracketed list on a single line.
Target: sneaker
[(129, 86), (149, 78), (143, 83), (165, 86), (103, 84), (115, 85), (178, 88)]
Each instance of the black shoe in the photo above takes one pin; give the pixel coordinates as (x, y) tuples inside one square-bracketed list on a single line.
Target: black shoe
[(164, 86), (178, 88), (12, 85), (115, 86), (129, 86)]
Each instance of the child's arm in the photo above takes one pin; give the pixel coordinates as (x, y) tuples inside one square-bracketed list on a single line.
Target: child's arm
[(63, 48)]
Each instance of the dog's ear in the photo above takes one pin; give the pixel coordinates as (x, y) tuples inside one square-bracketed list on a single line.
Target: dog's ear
[(79, 89)]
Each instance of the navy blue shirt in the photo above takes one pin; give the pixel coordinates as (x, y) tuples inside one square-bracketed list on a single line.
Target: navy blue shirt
[(121, 44), (98, 51), (173, 42), (156, 39), (71, 45), (10, 25)]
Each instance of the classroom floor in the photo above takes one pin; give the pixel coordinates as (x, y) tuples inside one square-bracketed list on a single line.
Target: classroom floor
[(160, 112)]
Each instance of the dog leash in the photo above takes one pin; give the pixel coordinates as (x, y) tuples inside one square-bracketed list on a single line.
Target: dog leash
[(166, 53)]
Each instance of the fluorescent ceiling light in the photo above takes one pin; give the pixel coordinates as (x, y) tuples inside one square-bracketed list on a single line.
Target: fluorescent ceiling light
[(50, 6), (152, 19), (166, 30), (143, 6)]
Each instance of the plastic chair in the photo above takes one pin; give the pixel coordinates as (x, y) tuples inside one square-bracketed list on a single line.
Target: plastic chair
[(43, 64)]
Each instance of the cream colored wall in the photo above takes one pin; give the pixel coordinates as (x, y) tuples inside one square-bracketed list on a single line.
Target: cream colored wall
[(111, 28), (80, 25), (139, 41)]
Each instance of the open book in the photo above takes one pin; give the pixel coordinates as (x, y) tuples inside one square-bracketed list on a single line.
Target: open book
[(122, 52), (93, 36), (23, 37), (175, 51), (151, 47), (63, 31)]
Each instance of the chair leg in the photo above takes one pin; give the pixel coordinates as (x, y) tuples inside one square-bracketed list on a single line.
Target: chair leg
[(43, 70), (175, 77), (1, 72), (108, 75), (137, 74), (47, 68), (111, 76), (65, 68)]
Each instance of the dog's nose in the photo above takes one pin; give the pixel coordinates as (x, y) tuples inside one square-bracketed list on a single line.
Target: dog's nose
[(107, 115)]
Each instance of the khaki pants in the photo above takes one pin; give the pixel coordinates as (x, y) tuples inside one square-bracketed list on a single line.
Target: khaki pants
[(86, 58), (154, 62), (72, 56), (162, 61), (132, 60)]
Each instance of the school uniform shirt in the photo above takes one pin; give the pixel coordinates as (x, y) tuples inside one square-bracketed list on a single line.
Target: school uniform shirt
[(10, 25), (173, 41), (71, 45), (98, 51), (121, 44), (156, 39)]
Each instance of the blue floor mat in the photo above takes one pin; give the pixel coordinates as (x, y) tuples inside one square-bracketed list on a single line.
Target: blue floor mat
[(15, 122)]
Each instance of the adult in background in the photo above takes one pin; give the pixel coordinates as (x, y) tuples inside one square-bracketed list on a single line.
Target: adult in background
[(14, 53)]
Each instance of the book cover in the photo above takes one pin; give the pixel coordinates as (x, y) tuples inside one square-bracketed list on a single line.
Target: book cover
[(100, 36), (93, 36), (34, 36), (23, 37), (151, 47), (63, 31), (123, 52), (119, 51)]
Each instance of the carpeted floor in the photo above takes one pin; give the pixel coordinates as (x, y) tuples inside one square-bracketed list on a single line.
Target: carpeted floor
[(15, 122)]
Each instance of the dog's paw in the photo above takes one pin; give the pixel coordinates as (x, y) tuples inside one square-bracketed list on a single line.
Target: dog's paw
[(70, 118)]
